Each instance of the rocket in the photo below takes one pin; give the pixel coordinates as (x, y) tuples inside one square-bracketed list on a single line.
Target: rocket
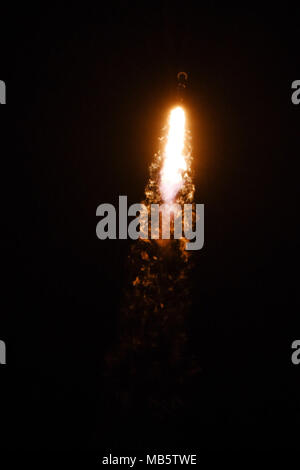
[(182, 79)]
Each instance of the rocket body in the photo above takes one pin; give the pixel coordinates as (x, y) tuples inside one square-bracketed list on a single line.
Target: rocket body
[(182, 79)]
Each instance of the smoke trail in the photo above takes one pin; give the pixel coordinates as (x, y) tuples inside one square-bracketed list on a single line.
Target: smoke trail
[(152, 334)]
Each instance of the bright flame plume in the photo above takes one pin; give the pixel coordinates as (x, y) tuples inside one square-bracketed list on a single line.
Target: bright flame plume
[(174, 160)]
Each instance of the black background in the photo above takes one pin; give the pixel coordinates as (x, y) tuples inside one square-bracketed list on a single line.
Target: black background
[(88, 91)]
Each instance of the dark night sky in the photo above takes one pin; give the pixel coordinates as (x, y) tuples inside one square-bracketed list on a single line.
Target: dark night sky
[(88, 92)]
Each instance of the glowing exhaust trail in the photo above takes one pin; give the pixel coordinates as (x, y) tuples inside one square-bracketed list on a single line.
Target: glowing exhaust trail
[(157, 300), (174, 160)]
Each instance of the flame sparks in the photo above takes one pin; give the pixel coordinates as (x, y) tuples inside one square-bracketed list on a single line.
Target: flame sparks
[(174, 160)]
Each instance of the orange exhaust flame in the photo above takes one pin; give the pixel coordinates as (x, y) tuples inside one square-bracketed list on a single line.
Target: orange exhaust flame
[(174, 158)]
